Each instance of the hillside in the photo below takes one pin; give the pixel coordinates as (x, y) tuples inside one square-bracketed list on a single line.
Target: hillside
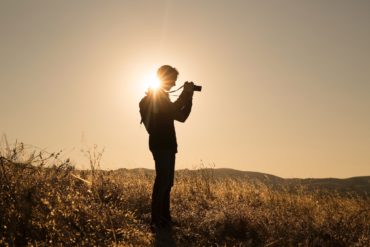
[(359, 185)]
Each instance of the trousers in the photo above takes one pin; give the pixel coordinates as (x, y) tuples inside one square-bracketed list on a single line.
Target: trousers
[(165, 171)]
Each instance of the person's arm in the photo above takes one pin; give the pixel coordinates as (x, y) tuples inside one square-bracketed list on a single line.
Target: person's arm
[(182, 106)]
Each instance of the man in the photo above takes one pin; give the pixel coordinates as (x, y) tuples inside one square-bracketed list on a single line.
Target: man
[(158, 114)]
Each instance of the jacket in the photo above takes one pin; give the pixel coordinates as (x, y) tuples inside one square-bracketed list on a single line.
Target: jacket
[(159, 117)]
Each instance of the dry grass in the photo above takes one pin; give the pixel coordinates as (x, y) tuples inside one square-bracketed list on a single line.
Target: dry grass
[(44, 201)]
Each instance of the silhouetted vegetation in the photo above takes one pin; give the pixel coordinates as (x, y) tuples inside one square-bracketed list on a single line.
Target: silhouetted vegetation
[(45, 201)]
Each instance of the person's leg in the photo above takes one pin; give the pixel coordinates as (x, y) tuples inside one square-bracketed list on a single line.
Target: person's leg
[(161, 184), (155, 200), (167, 197)]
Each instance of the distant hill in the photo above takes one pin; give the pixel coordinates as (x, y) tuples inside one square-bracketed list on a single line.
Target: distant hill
[(359, 185)]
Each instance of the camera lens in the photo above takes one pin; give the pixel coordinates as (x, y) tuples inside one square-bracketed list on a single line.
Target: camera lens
[(197, 88)]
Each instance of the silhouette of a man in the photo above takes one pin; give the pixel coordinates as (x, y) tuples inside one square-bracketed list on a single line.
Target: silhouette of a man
[(158, 118)]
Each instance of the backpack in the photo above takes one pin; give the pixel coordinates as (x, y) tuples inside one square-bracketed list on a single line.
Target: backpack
[(145, 106)]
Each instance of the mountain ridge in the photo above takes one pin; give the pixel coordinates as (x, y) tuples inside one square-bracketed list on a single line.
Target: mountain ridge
[(358, 184)]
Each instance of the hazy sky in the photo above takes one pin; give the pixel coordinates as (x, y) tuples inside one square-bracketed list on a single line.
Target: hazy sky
[(286, 84)]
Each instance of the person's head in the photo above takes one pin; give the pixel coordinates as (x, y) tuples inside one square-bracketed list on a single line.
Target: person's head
[(167, 76)]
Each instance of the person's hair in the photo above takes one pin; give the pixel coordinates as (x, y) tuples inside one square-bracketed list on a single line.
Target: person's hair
[(166, 72)]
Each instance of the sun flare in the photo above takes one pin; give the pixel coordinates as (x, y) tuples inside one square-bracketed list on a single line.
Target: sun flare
[(151, 81)]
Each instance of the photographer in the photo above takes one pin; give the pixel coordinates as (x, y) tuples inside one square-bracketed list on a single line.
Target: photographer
[(158, 114)]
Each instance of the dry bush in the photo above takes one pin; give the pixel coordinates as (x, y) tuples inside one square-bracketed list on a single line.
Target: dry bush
[(45, 201)]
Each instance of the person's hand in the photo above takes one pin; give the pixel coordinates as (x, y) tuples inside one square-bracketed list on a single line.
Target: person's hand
[(189, 87)]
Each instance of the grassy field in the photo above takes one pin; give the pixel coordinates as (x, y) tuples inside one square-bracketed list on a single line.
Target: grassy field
[(44, 201)]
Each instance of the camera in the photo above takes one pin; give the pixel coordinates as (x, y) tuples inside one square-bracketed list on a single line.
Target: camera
[(194, 87), (197, 88)]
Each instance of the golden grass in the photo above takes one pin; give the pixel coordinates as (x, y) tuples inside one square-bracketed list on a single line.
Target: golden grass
[(44, 201)]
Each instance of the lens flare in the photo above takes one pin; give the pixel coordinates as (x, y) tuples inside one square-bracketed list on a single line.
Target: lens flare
[(151, 82)]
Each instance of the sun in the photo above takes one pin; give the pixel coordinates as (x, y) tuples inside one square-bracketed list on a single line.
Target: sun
[(151, 81)]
